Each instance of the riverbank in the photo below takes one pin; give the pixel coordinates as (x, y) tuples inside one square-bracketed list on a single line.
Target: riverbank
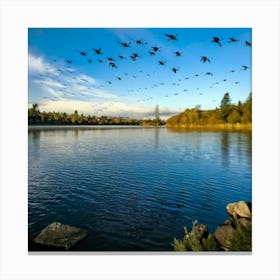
[(218, 126)]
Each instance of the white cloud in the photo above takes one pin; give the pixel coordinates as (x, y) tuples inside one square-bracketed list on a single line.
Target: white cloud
[(50, 83), (106, 108), (86, 78), (37, 65), (68, 106)]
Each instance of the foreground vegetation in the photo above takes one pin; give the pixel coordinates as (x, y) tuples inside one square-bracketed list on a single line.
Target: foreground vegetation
[(227, 116), (235, 234)]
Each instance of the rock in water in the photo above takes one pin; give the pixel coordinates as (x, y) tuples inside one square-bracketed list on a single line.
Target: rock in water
[(239, 208), (60, 235)]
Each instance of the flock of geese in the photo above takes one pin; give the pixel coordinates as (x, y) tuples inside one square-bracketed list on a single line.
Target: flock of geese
[(98, 56)]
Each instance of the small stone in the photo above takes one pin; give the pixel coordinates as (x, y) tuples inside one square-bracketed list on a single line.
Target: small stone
[(60, 235), (223, 235)]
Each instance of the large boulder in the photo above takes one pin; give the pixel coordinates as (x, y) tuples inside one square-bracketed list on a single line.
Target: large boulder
[(239, 209), (60, 235), (223, 235)]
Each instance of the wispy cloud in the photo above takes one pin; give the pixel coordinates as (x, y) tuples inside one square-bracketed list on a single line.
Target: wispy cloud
[(38, 65)]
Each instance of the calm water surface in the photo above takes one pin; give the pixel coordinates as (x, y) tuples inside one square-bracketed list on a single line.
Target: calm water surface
[(134, 188)]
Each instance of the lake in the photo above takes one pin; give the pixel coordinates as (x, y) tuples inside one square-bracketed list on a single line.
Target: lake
[(134, 188)]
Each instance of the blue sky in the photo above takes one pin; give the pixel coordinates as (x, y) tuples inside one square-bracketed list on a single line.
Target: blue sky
[(134, 87)]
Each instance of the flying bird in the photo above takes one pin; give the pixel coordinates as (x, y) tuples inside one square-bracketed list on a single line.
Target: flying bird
[(204, 59), (162, 63), (121, 57), (171, 36), (244, 68), (232, 71), (155, 49), (232, 40), (82, 53), (134, 56), (152, 53), (178, 53), (125, 44), (69, 61), (209, 73), (112, 64), (140, 42), (175, 70), (98, 51), (217, 40), (249, 44)]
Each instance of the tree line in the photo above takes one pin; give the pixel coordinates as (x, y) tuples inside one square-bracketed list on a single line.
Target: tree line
[(36, 117), (226, 114)]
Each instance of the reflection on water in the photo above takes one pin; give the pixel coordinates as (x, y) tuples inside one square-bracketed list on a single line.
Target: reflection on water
[(134, 188), (157, 130), (225, 147)]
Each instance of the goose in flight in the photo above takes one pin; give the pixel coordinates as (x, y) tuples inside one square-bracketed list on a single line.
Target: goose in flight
[(97, 51), (125, 44), (249, 44), (171, 36), (217, 40), (140, 42), (82, 53), (112, 64), (155, 49), (134, 56), (204, 59), (244, 67), (232, 40), (178, 53)]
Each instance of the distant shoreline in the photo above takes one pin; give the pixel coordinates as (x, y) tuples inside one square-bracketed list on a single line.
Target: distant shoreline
[(221, 126), (181, 128)]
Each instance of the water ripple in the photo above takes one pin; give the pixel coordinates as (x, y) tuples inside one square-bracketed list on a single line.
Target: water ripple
[(134, 189)]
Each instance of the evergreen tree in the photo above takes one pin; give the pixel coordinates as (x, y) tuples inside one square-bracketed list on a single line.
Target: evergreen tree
[(225, 106)]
